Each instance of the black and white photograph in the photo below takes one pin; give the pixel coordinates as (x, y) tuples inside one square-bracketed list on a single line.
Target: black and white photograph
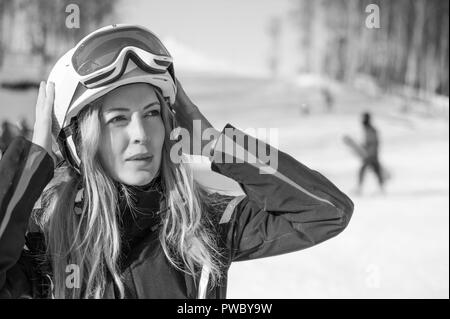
[(247, 151)]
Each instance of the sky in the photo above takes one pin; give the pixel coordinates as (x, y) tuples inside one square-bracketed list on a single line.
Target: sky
[(232, 33)]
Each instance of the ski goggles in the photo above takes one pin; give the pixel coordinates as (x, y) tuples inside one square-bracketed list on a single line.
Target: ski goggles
[(102, 58)]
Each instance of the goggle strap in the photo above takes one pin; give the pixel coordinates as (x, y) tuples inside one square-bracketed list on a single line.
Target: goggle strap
[(69, 130)]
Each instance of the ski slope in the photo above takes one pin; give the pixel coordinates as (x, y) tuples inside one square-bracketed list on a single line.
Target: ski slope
[(396, 245)]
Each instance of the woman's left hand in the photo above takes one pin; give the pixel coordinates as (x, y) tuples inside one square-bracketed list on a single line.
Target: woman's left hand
[(42, 132), (186, 115)]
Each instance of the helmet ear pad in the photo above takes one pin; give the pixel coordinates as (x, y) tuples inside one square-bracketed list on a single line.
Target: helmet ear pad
[(69, 135), (73, 132)]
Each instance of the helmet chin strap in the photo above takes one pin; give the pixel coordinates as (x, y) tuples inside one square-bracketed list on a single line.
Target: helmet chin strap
[(74, 154)]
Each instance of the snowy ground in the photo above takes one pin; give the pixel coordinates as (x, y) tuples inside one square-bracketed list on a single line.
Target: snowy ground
[(396, 245)]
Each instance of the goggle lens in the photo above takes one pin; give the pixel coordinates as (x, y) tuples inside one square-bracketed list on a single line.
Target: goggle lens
[(101, 50)]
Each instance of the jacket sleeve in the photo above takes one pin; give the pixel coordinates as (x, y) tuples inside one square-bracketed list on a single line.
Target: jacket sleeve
[(287, 206), (25, 170)]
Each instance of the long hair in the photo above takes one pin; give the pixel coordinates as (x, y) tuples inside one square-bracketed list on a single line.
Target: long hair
[(91, 240)]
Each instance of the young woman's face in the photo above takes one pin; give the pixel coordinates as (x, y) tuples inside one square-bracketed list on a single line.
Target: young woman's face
[(132, 134)]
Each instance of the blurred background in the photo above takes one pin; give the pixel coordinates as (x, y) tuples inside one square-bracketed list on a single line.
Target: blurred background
[(309, 68)]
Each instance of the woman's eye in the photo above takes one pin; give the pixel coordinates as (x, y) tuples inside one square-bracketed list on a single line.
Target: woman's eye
[(117, 119), (152, 113)]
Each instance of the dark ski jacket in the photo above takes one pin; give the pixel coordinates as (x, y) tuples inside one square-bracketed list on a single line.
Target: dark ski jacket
[(282, 211), (371, 143)]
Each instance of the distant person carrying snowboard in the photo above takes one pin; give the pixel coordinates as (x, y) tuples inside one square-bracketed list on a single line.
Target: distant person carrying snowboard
[(371, 147)]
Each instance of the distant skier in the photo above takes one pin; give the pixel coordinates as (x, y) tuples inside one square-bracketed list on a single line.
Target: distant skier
[(371, 147), (328, 98)]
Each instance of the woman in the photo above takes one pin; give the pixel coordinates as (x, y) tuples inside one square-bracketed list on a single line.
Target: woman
[(119, 216)]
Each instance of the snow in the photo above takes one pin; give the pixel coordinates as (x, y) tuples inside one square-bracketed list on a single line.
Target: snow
[(188, 59), (396, 245)]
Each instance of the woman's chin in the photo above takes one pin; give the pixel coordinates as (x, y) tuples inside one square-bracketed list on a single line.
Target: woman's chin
[(138, 179)]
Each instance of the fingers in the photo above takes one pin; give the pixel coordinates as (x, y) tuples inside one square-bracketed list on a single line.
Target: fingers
[(50, 98), (41, 96), (46, 97), (181, 99), (180, 88), (43, 121)]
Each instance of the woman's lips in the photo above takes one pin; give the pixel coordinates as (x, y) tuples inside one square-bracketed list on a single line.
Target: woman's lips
[(144, 163), (140, 157)]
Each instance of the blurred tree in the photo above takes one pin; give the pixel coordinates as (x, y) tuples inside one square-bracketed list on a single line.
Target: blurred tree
[(409, 49), (5, 9), (49, 36), (274, 32)]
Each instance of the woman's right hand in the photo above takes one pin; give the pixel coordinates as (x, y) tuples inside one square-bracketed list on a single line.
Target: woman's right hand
[(42, 133), (186, 113)]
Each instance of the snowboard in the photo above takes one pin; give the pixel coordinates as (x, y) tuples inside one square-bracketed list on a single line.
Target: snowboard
[(359, 151), (355, 147)]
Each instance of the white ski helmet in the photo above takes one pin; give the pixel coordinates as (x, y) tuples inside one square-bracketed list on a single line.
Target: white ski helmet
[(107, 58)]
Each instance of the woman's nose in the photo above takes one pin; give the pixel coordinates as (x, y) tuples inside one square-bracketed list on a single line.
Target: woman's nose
[(137, 129)]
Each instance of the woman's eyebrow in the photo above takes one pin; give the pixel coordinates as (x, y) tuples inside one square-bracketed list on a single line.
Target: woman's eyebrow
[(151, 104), (122, 109)]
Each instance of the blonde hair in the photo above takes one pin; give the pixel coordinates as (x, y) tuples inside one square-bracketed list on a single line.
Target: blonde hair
[(91, 240)]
